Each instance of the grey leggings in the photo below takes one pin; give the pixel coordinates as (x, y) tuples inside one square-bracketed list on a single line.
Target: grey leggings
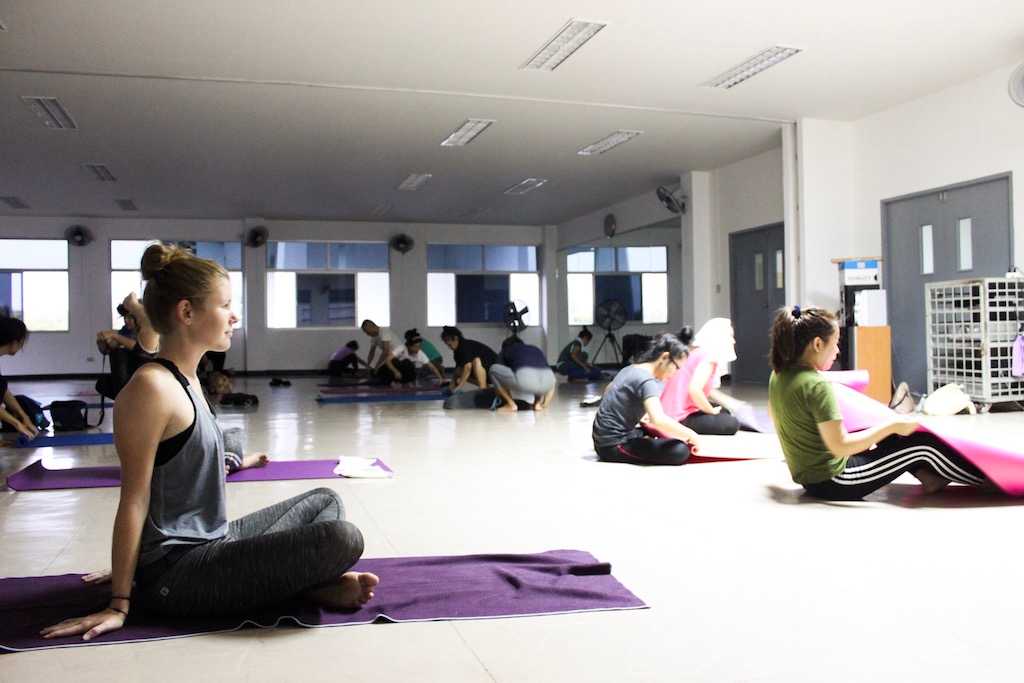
[(267, 557)]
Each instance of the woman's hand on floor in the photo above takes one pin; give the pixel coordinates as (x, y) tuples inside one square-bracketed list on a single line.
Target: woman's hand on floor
[(905, 426), (91, 625), (102, 576)]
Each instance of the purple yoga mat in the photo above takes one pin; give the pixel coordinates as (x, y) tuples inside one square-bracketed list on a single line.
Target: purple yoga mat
[(411, 589), (35, 477)]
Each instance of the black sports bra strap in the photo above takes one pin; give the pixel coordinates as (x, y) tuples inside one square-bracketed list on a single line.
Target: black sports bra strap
[(172, 368)]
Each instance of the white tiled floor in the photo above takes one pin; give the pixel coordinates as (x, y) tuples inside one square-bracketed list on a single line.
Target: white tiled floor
[(747, 580)]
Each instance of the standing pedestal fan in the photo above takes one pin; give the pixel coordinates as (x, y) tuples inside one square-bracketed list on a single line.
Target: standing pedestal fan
[(610, 315)]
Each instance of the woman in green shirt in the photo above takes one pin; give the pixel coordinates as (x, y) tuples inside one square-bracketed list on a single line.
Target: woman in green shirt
[(828, 461)]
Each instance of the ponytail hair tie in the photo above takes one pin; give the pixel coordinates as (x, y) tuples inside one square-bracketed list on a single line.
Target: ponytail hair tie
[(796, 311)]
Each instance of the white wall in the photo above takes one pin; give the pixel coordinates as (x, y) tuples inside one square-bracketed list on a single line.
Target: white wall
[(746, 194), (89, 273)]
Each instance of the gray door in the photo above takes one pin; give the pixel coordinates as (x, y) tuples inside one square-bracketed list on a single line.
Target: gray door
[(959, 232), (757, 287)]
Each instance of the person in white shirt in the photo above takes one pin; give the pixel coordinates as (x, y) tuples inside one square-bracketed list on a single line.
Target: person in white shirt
[(380, 340), (407, 362)]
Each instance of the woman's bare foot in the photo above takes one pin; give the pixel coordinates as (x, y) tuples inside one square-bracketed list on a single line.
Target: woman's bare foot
[(931, 481), (352, 591), (509, 408), (539, 405), (255, 460)]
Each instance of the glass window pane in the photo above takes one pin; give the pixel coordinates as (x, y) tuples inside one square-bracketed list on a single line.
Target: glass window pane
[(655, 297), (580, 261), (281, 302), (481, 298), (45, 300), (780, 270), (297, 255), (454, 257), (325, 300), (440, 299), (510, 258), (643, 259), (758, 271), (373, 297), (237, 294), (33, 254), (122, 283), (606, 260), (927, 255), (127, 254), (359, 256), (966, 250), (10, 295), (580, 290), (227, 254), (524, 289), (626, 289)]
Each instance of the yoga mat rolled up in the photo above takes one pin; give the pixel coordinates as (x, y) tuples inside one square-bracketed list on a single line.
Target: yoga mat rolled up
[(35, 477), (411, 589)]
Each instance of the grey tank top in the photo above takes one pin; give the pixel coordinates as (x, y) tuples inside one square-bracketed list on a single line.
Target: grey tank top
[(186, 493)]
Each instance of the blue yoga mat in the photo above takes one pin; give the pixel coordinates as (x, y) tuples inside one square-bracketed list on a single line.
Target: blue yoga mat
[(76, 439), (384, 398)]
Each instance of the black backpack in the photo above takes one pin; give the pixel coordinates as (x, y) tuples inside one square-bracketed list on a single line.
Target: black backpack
[(34, 412), (70, 416)]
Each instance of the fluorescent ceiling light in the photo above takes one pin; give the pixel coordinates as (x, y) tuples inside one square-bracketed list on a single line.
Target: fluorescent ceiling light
[(753, 66), (14, 202), (126, 204), (570, 38), (101, 172), (466, 132), (381, 209), (414, 181), (604, 144), (51, 112), (528, 185)]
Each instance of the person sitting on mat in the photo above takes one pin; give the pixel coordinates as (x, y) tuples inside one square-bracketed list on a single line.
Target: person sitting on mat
[(692, 395), (380, 340), (413, 352), (433, 355), (174, 552), (345, 360), (523, 369), (574, 362), (822, 456), (13, 335), (472, 358), (405, 363), (632, 398), (135, 335)]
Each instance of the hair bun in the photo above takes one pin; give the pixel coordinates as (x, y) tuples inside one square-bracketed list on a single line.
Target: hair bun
[(158, 256), (796, 311)]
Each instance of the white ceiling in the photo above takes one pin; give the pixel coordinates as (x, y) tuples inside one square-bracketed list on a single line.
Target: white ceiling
[(319, 108)]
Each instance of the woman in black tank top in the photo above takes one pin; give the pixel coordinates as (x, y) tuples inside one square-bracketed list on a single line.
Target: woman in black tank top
[(173, 549)]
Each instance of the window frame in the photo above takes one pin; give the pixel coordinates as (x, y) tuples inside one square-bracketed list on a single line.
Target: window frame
[(325, 271), (22, 271), (484, 271), (615, 272)]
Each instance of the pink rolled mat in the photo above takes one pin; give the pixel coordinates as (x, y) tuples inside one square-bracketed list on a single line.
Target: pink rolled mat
[(1000, 462), (855, 379)]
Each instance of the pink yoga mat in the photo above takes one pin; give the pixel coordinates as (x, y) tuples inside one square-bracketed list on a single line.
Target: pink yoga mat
[(1000, 462), (35, 477)]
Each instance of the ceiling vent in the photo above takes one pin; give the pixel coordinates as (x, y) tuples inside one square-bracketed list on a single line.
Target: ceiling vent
[(466, 132), (527, 185), (414, 181), (604, 144), (763, 60), (1017, 85), (51, 112), (562, 45), (101, 172), (14, 202), (126, 204)]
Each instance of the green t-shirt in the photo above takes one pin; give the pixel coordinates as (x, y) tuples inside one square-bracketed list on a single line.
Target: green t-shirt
[(430, 350), (800, 399)]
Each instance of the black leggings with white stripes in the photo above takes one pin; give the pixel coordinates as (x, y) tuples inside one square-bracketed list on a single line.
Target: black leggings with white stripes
[(870, 470)]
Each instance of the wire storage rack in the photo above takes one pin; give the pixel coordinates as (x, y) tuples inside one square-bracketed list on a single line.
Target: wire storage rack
[(971, 327)]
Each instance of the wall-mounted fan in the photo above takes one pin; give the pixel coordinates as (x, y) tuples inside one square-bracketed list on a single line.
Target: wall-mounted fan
[(256, 237), (1017, 85), (610, 225), (402, 243), (673, 201), (78, 235)]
